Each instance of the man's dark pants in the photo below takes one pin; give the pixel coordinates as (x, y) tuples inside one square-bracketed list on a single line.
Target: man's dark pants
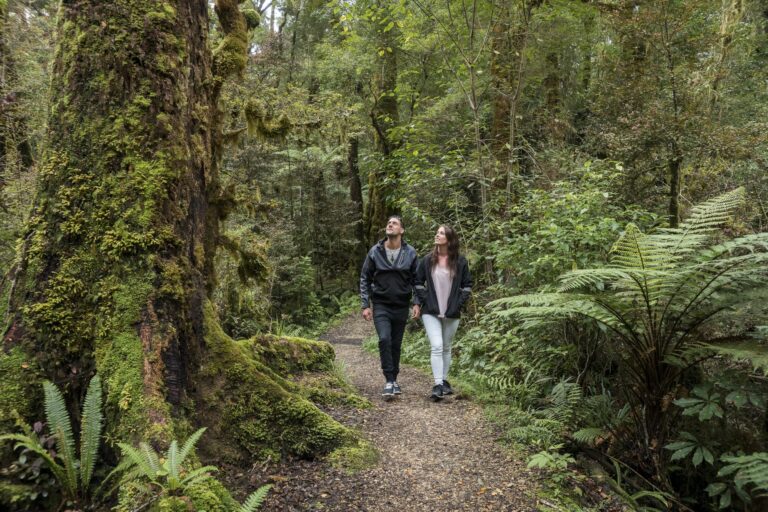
[(390, 324)]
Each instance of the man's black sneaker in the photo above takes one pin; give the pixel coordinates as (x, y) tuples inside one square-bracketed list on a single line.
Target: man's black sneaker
[(447, 390), (396, 388), (437, 393), (389, 391)]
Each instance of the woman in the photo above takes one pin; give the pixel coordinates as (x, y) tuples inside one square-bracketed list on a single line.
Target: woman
[(443, 285)]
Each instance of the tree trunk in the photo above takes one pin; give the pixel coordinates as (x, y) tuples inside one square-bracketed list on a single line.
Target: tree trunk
[(356, 195), (384, 116), (117, 259)]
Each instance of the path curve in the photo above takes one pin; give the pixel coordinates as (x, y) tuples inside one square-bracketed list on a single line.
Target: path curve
[(434, 457)]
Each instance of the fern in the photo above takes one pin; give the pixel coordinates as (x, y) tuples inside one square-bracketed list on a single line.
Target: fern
[(748, 471), (74, 484), (657, 297), (255, 500), (90, 431), (189, 444), (589, 436), (58, 421), (170, 475)]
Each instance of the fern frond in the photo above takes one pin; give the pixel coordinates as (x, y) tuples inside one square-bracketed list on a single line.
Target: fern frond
[(172, 461), (32, 443), (589, 436), (60, 425), (754, 352), (636, 250), (255, 500), (150, 456), (122, 468), (713, 213), (90, 431), (189, 444), (198, 474), (139, 460)]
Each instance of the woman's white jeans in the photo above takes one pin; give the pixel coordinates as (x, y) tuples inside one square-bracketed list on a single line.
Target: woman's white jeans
[(440, 332)]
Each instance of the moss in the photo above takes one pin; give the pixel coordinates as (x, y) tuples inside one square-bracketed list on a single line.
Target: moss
[(354, 457), (291, 355), (244, 400), (211, 496), (231, 55), (328, 388), (252, 18), (173, 504), (20, 388)]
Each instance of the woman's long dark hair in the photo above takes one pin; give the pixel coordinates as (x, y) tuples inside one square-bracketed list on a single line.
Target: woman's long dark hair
[(453, 248)]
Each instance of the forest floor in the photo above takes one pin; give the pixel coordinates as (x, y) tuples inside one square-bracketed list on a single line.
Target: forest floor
[(440, 456)]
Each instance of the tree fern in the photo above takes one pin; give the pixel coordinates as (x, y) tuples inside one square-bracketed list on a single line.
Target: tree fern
[(657, 297)]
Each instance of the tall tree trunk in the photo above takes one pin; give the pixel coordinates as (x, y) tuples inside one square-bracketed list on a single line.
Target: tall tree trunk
[(117, 259), (509, 41), (384, 116), (356, 195)]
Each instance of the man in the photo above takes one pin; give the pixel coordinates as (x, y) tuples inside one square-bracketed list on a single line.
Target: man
[(386, 283)]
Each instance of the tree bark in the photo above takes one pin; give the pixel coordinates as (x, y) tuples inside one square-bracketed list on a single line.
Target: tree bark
[(384, 116), (117, 259), (356, 195)]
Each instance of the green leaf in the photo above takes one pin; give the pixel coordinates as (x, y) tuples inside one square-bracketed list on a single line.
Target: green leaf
[(738, 398), (682, 453), (710, 410), (716, 488)]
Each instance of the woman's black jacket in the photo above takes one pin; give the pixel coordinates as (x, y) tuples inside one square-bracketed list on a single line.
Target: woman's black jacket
[(460, 288)]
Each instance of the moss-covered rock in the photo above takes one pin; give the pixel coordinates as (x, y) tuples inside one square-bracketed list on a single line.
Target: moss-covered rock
[(244, 400), (290, 355)]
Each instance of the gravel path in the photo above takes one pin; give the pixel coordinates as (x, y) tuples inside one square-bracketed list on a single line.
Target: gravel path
[(433, 456)]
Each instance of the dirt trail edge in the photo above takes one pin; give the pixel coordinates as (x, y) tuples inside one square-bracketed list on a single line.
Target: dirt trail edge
[(433, 456)]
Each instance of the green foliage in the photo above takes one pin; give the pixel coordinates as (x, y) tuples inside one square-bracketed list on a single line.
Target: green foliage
[(567, 226), (171, 474), (74, 485), (749, 474), (689, 445), (657, 300), (156, 479), (255, 499)]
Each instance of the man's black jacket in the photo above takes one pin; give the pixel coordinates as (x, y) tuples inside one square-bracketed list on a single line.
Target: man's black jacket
[(390, 284), (460, 288)]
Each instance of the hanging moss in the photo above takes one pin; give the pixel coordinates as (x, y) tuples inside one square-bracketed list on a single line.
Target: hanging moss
[(261, 123)]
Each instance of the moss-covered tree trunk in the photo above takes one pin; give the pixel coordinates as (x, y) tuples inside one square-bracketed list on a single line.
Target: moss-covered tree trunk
[(117, 259)]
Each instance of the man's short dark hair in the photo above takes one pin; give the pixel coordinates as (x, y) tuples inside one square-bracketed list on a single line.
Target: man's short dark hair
[(399, 219)]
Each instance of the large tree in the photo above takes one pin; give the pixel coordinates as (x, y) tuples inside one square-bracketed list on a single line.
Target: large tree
[(116, 265)]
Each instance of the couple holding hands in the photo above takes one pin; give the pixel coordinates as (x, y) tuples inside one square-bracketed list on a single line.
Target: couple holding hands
[(439, 284)]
